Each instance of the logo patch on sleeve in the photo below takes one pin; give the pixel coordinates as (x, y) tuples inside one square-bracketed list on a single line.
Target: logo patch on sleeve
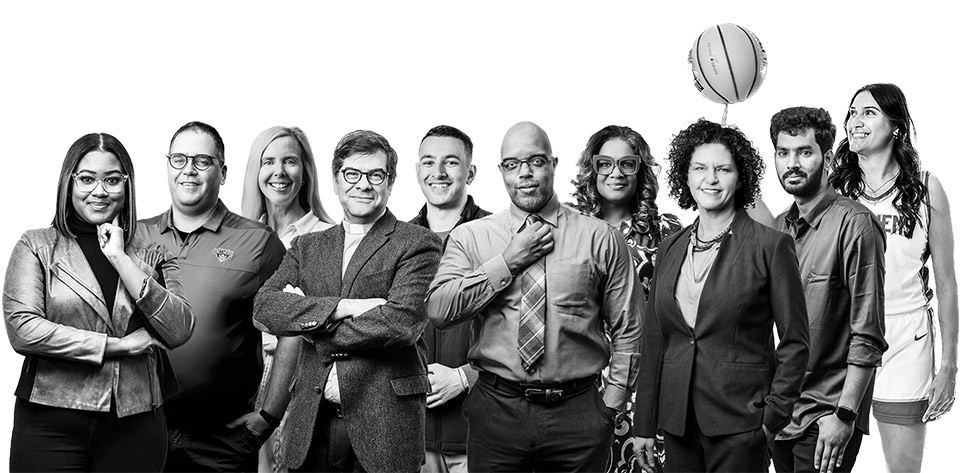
[(222, 254)]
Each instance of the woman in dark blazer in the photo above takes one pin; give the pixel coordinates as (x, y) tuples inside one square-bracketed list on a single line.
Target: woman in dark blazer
[(91, 309), (710, 375)]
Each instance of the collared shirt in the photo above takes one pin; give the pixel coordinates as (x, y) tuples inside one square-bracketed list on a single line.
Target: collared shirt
[(306, 224), (591, 286), (222, 265), (840, 246), (352, 235)]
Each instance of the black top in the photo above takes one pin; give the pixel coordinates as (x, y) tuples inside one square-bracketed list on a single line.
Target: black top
[(106, 274)]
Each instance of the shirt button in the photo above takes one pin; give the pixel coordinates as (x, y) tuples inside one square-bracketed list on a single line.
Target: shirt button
[(691, 341), (318, 389), (503, 283)]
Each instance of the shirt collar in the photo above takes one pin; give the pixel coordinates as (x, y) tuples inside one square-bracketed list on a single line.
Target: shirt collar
[(550, 213), (212, 223), (362, 228), (815, 215)]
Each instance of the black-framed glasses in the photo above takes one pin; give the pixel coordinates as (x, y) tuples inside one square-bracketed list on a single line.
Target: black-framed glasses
[(628, 165), (534, 162), (201, 162), (374, 176), (112, 184)]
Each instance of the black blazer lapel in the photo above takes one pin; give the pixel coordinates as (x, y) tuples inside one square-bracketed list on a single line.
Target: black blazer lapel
[(725, 268), (670, 273), (70, 266), (373, 241)]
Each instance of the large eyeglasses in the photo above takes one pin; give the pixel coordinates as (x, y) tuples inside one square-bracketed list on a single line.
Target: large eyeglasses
[(374, 176), (628, 165), (201, 162), (534, 162), (88, 182)]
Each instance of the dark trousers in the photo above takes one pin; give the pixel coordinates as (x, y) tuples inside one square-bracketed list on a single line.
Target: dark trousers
[(509, 433), (796, 455), (694, 451), (212, 447), (49, 438), (330, 449)]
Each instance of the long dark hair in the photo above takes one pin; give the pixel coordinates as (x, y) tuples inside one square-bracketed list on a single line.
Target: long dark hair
[(107, 144), (588, 199), (847, 177)]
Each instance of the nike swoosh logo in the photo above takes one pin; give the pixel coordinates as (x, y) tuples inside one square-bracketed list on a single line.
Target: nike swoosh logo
[(917, 339)]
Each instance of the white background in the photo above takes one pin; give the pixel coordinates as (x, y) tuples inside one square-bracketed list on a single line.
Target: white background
[(399, 68)]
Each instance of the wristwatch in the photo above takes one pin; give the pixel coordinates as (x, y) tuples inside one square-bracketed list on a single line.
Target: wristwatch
[(271, 420), (845, 414)]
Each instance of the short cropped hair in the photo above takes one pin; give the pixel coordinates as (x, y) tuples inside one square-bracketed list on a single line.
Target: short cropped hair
[(451, 132), (200, 127), (796, 120)]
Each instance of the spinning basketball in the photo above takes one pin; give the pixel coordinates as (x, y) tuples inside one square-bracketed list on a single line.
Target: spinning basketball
[(728, 63)]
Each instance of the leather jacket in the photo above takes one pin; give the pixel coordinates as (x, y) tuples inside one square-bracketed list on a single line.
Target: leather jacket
[(56, 317)]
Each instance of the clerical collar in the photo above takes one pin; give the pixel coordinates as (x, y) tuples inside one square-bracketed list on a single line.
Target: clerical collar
[(361, 228)]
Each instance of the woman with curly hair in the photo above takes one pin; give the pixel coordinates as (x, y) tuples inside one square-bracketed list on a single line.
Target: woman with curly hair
[(617, 182), (878, 166), (710, 375)]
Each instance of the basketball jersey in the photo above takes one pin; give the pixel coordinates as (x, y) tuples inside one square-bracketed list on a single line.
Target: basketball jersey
[(906, 284)]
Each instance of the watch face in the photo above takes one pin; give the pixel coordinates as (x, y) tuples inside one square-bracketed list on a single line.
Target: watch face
[(846, 415)]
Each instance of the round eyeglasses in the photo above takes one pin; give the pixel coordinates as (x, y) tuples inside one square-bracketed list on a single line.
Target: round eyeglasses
[(201, 162), (374, 176), (88, 182)]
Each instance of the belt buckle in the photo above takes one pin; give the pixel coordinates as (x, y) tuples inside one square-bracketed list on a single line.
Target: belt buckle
[(543, 396)]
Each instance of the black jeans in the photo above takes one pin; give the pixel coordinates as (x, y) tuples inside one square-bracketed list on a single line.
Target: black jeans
[(330, 449), (796, 455), (507, 432), (212, 448), (49, 438)]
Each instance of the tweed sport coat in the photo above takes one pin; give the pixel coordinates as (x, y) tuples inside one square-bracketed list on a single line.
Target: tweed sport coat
[(727, 365), (380, 354)]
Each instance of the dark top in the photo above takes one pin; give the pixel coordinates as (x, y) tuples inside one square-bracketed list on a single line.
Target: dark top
[(222, 265), (446, 429), (105, 273), (840, 245)]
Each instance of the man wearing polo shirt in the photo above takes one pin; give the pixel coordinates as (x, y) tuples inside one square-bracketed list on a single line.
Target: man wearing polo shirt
[(547, 286), (224, 259), (444, 170), (840, 246)]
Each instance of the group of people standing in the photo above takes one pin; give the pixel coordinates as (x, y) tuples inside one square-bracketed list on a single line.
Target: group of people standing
[(588, 336)]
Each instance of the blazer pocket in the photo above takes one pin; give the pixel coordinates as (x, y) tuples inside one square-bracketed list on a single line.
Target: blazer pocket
[(741, 365), (409, 385)]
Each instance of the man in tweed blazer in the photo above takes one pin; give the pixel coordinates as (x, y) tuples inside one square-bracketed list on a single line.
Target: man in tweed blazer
[(356, 293)]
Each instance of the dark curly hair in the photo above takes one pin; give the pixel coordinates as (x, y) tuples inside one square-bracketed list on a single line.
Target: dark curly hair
[(644, 209), (847, 177), (795, 121), (749, 164)]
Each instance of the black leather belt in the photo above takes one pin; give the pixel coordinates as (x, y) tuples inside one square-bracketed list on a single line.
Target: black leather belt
[(540, 393)]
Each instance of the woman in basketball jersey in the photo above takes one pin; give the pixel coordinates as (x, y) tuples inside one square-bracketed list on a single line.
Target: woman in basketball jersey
[(878, 165), (617, 182)]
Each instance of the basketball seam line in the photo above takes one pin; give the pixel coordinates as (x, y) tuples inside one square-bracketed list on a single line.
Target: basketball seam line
[(703, 74), (756, 60), (733, 77)]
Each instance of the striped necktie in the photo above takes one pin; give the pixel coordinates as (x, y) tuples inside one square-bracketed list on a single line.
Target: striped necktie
[(533, 287)]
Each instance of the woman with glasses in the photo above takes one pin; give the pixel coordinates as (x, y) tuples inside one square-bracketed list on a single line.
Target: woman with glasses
[(92, 310), (617, 182), (280, 188), (877, 165), (710, 376)]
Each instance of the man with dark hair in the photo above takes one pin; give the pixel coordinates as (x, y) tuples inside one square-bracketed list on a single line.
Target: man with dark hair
[(556, 300), (840, 246), (356, 295), (224, 259), (444, 170)]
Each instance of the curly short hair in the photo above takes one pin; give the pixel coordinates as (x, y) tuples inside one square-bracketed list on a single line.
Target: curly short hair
[(749, 164), (644, 209), (794, 121)]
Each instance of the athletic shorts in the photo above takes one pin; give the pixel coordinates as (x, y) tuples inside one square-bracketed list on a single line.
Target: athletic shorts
[(904, 379)]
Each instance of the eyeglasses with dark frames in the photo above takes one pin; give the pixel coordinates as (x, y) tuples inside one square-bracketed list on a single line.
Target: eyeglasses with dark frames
[(534, 162), (201, 162), (628, 165), (374, 176)]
